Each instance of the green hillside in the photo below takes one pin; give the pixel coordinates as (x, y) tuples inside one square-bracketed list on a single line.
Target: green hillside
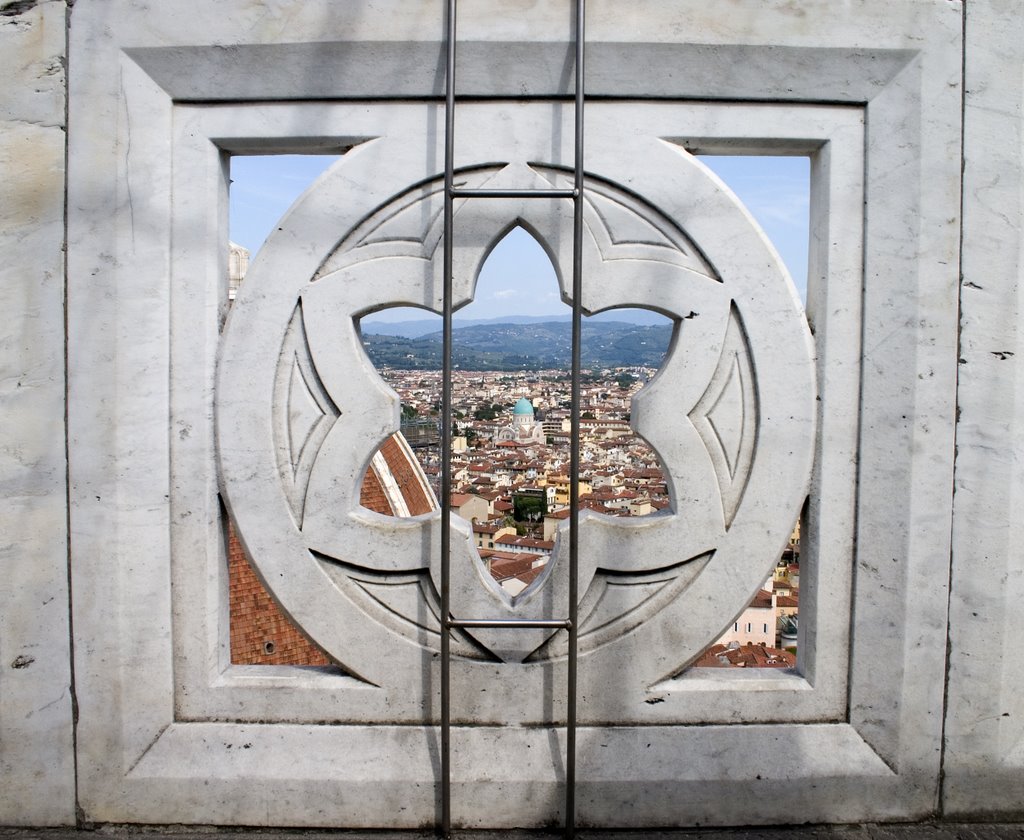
[(536, 346)]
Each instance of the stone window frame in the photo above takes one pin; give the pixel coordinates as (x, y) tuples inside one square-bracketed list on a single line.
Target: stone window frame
[(208, 685), (140, 761)]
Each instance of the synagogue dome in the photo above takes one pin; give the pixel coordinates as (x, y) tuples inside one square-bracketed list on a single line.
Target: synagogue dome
[(523, 407)]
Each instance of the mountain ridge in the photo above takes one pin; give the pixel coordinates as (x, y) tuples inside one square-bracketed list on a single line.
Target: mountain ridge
[(417, 327), (534, 345)]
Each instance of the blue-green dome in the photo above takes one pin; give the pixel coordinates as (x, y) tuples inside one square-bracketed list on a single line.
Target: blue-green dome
[(523, 406)]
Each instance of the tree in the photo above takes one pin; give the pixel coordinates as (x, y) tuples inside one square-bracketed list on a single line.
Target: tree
[(487, 412), (529, 507)]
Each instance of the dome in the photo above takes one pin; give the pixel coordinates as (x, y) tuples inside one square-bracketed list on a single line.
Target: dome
[(523, 406)]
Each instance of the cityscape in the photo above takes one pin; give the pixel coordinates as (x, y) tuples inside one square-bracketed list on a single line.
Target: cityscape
[(510, 479), (511, 429), (510, 392)]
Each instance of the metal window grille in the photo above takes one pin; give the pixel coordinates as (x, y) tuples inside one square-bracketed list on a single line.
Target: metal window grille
[(570, 623)]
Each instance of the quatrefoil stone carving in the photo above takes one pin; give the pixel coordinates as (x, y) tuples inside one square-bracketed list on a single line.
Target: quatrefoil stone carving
[(300, 411)]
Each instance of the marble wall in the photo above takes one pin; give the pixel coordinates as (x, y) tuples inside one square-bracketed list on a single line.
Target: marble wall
[(36, 696), (984, 757), (118, 701)]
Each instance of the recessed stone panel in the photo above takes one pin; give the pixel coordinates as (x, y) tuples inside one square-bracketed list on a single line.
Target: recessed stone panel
[(170, 731)]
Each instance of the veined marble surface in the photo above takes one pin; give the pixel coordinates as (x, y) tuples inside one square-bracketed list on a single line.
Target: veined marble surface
[(169, 732)]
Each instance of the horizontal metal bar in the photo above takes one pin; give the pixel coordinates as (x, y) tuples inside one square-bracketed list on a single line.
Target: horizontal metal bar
[(509, 623), (467, 193)]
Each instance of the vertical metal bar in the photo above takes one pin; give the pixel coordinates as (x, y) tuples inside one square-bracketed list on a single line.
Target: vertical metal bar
[(446, 430), (574, 455)]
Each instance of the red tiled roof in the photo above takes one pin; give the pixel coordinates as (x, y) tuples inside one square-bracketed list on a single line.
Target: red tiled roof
[(260, 632), (745, 656), (506, 566), (408, 475), (526, 542)]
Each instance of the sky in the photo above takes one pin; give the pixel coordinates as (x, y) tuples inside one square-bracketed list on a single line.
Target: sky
[(517, 278)]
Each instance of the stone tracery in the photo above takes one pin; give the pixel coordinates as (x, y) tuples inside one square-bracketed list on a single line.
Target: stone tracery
[(634, 256)]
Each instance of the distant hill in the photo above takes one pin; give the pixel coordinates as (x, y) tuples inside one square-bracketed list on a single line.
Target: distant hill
[(525, 346), (424, 326)]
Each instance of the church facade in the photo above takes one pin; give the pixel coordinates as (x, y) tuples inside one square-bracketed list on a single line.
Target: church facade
[(524, 428)]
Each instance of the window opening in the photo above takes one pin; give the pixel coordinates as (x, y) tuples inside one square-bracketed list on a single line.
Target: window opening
[(510, 408), (262, 189), (775, 189), (620, 351)]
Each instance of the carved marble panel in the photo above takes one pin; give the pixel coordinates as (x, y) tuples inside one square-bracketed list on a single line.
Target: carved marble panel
[(738, 447), (170, 731)]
